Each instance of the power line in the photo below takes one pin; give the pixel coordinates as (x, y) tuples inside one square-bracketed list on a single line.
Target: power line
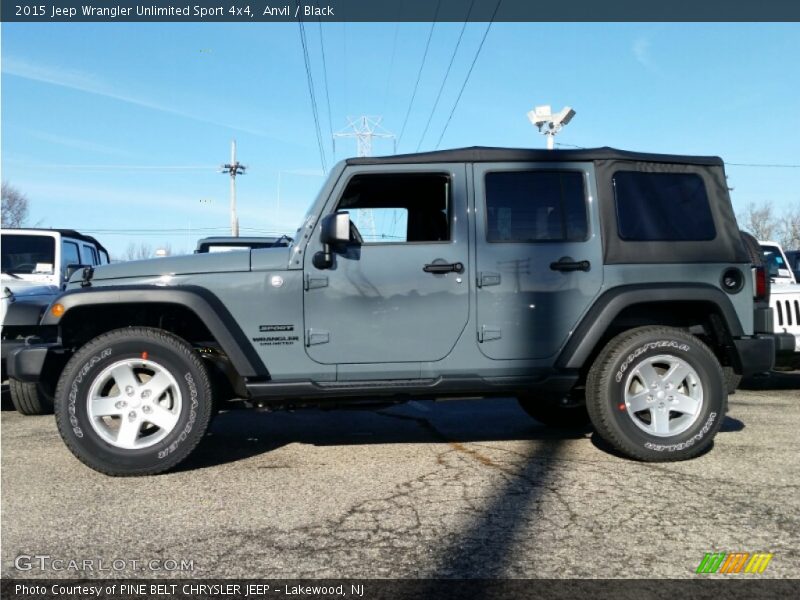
[(419, 74), (765, 165), (563, 145), (325, 79), (310, 79), (220, 230), (130, 167), (391, 63), (447, 73), (472, 66)]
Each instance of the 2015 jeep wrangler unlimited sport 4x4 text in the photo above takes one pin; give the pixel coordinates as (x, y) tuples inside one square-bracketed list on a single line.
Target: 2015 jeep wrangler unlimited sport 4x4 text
[(583, 281)]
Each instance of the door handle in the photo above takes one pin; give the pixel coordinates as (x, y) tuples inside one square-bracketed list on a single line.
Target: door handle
[(441, 268), (567, 264)]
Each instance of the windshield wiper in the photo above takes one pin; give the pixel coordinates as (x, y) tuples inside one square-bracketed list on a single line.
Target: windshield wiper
[(278, 242), (12, 275)]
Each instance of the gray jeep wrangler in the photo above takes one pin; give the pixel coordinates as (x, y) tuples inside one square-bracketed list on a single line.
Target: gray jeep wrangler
[(591, 284)]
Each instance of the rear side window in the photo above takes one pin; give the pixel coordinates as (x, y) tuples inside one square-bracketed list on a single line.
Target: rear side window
[(89, 255), (535, 206), (662, 207)]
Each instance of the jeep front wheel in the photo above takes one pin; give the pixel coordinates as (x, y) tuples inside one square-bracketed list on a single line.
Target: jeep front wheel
[(134, 401), (657, 394), (30, 398)]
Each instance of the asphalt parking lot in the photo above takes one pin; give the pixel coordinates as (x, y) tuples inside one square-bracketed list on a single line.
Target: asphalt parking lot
[(451, 489)]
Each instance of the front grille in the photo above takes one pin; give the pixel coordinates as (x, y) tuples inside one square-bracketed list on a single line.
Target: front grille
[(787, 312)]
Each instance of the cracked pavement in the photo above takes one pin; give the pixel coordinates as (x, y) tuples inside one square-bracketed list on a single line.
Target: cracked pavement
[(450, 489)]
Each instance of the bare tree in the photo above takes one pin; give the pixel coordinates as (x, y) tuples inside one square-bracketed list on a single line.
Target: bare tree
[(790, 230), (14, 207), (144, 251), (130, 252), (759, 220)]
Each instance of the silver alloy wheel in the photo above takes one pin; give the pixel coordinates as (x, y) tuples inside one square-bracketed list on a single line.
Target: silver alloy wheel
[(134, 403), (663, 395)]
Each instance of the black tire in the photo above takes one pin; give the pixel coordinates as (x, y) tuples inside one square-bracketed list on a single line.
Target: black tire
[(549, 410), (171, 354), (754, 251), (605, 394), (732, 379), (30, 398)]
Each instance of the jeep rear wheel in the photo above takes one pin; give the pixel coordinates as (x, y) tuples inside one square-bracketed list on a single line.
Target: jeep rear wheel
[(133, 401), (30, 398), (657, 394)]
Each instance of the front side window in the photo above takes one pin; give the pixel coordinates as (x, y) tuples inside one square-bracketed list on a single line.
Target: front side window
[(662, 207), (535, 206), (397, 208)]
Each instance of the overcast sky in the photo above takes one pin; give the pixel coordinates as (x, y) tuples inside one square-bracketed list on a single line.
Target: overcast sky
[(118, 128)]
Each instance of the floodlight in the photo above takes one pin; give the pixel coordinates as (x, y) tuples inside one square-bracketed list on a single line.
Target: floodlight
[(564, 117), (550, 124)]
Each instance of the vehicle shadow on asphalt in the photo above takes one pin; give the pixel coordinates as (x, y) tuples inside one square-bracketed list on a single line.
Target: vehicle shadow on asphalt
[(5, 399), (240, 434), (776, 380)]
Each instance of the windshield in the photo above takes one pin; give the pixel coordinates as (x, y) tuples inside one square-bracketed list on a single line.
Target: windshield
[(28, 254)]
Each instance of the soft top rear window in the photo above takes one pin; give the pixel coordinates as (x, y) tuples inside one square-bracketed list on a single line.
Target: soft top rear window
[(662, 207)]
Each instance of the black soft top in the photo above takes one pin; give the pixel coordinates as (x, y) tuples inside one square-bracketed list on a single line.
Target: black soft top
[(70, 233), (492, 154)]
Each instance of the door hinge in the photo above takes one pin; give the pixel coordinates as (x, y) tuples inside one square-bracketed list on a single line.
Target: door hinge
[(487, 334), (316, 336), (487, 278), (311, 283)]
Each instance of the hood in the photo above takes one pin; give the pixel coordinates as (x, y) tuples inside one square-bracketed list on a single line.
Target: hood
[(22, 288), (172, 265)]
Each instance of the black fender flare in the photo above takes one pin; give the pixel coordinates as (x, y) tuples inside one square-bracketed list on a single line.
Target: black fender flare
[(26, 310), (610, 304), (203, 303)]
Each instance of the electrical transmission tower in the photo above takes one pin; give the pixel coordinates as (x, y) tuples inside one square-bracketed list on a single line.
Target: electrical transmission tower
[(364, 129), (234, 168)]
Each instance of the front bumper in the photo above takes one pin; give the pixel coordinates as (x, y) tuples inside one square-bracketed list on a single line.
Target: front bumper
[(27, 362), (6, 348)]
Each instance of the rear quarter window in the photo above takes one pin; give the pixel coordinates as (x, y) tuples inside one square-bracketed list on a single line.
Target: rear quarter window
[(662, 207)]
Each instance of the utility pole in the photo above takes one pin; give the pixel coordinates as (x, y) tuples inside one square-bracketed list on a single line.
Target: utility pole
[(364, 129), (233, 169)]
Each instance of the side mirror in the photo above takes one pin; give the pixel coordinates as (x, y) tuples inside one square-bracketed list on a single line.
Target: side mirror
[(335, 231), (71, 270)]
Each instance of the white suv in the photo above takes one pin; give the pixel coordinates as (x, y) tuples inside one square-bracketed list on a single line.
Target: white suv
[(36, 264)]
